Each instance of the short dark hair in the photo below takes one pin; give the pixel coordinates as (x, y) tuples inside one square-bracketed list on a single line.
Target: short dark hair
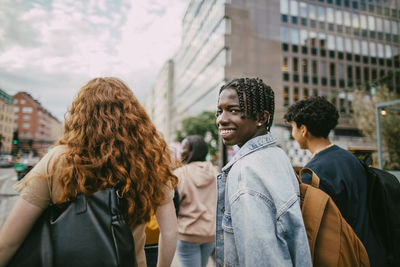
[(198, 147), (318, 114), (259, 98)]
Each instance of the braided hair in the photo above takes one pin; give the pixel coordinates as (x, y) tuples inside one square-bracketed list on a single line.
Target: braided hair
[(255, 97)]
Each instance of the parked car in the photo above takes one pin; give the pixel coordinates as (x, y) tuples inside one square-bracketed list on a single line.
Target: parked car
[(6, 161), (23, 165)]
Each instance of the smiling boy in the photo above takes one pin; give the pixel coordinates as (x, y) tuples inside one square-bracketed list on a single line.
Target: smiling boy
[(259, 221)]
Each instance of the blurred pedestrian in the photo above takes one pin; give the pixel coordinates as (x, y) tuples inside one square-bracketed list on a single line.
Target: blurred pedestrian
[(198, 199), (341, 174), (108, 138), (259, 220)]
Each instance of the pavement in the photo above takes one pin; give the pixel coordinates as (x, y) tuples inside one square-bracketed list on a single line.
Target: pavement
[(8, 196)]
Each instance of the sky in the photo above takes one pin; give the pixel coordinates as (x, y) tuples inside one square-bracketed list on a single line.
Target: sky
[(51, 48)]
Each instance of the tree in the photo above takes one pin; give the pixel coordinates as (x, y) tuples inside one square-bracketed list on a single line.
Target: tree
[(365, 118), (204, 125)]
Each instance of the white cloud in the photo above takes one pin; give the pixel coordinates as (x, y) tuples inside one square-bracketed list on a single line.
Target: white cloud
[(50, 49)]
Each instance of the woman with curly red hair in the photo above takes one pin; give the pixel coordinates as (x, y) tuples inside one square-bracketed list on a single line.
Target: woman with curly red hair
[(108, 138)]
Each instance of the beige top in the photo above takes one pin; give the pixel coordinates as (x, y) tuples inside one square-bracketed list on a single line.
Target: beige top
[(38, 190), (197, 189)]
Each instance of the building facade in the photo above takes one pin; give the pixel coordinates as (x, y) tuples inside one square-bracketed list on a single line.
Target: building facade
[(301, 48), (158, 102), (35, 128), (6, 122)]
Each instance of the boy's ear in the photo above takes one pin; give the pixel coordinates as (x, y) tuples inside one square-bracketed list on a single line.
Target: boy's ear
[(264, 120), (304, 130)]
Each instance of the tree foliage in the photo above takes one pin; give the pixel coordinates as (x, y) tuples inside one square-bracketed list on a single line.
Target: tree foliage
[(204, 125), (365, 118)]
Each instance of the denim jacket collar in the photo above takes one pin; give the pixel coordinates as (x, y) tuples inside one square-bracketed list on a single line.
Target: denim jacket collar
[(249, 147)]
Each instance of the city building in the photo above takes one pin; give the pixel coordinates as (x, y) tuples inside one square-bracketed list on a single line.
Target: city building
[(6, 122), (158, 102), (300, 48), (35, 128)]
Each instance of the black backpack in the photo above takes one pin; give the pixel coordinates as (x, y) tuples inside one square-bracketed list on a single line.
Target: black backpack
[(383, 205)]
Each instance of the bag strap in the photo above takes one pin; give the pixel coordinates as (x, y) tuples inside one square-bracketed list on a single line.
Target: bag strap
[(314, 177), (315, 200)]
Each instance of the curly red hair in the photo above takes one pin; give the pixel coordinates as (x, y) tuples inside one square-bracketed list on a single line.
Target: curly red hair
[(110, 138)]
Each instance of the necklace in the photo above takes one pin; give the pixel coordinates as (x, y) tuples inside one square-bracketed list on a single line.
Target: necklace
[(319, 150)]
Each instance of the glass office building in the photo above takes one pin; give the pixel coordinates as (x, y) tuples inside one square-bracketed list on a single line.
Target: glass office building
[(300, 48)]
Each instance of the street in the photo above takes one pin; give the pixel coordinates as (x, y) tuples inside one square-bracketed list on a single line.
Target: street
[(8, 196)]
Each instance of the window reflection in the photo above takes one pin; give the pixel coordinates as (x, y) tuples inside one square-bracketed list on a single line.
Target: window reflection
[(388, 51), (313, 12), (303, 10), (339, 43), (364, 48), (355, 20), (379, 25), (285, 35), (348, 45), (363, 22), (394, 27), (331, 42), (330, 15), (294, 36), (356, 46), (294, 8), (372, 49), (321, 13), (347, 19), (371, 23), (284, 7), (303, 37)]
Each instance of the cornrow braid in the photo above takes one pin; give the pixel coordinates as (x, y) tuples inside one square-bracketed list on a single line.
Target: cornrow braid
[(255, 97)]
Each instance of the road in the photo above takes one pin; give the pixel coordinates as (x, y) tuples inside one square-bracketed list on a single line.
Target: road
[(8, 196)]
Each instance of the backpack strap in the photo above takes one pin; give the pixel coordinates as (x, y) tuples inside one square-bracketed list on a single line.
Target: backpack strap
[(315, 201), (314, 179)]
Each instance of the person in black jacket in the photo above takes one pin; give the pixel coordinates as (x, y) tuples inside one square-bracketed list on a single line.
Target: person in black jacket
[(342, 175)]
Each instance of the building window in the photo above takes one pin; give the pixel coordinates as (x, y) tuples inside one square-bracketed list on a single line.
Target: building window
[(358, 75), (332, 69), (286, 96), (349, 73), (305, 66), (284, 7), (305, 93), (295, 64), (16, 109), (303, 10), (285, 66), (324, 71), (296, 94), (314, 67), (27, 110), (26, 125), (342, 103), (366, 74), (374, 74), (26, 117)]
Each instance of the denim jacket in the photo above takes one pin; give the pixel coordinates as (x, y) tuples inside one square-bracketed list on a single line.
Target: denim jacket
[(259, 221)]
